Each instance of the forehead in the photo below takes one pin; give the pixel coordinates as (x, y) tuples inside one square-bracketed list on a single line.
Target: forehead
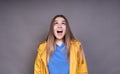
[(60, 19)]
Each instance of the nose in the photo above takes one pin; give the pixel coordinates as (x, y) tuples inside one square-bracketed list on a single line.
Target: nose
[(59, 26)]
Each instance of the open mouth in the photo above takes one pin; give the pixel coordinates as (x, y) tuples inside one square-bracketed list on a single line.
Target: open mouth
[(59, 31)]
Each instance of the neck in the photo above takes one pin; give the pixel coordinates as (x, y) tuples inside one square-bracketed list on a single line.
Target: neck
[(59, 41)]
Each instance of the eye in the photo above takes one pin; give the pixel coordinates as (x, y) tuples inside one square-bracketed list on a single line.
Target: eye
[(55, 23), (63, 22)]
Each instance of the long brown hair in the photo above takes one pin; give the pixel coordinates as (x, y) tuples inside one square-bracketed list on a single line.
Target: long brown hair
[(51, 38)]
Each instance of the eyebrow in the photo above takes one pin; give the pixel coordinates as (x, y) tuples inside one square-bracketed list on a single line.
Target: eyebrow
[(62, 21)]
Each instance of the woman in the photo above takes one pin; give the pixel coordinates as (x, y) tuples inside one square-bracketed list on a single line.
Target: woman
[(60, 53)]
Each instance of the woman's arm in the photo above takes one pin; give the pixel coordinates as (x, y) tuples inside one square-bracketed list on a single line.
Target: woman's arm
[(37, 64), (82, 64)]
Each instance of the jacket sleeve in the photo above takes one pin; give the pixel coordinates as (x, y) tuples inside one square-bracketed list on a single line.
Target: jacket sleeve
[(82, 64), (38, 62)]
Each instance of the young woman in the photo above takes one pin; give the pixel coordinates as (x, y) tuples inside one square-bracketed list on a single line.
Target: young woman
[(60, 53)]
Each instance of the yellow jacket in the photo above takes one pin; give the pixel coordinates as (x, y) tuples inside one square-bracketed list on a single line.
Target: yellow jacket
[(76, 65)]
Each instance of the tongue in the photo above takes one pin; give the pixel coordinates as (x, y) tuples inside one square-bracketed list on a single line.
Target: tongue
[(59, 34)]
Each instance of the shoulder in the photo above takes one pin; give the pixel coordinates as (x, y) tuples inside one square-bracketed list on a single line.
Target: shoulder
[(42, 46), (77, 45), (76, 42)]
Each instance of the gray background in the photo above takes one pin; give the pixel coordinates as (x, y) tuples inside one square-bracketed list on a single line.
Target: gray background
[(24, 24)]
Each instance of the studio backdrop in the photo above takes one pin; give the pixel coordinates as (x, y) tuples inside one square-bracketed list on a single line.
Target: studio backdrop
[(24, 24)]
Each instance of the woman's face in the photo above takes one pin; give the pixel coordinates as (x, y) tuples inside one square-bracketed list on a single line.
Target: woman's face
[(59, 27)]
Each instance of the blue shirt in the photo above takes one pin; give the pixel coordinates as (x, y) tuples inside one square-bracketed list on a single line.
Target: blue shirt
[(58, 63)]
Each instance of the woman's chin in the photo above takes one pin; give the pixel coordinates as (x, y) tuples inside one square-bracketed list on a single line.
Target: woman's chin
[(59, 37)]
